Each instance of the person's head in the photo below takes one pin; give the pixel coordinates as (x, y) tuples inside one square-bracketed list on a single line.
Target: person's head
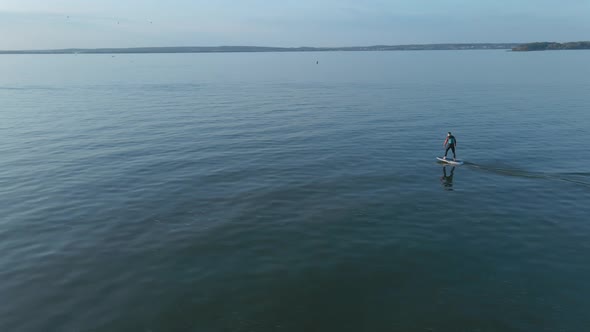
[(449, 133)]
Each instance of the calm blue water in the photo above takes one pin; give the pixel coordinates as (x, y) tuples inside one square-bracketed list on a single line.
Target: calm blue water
[(265, 192)]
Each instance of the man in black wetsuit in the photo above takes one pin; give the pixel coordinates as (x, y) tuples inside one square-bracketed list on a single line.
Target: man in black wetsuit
[(450, 143)]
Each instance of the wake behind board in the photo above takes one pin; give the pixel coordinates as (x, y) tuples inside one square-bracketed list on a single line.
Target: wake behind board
[(450, 161)]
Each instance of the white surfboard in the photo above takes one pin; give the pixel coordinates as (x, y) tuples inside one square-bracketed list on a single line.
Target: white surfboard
[(450, 161)]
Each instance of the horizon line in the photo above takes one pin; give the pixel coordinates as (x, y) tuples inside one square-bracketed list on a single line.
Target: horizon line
[(259, 47)]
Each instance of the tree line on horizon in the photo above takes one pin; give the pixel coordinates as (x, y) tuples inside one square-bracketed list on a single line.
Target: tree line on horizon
[(549, 46), (537, 46)]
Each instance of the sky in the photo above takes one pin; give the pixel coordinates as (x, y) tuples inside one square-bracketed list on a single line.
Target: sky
[(52, 24)]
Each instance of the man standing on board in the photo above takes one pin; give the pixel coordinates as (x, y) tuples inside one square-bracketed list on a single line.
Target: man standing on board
[(450, 143)]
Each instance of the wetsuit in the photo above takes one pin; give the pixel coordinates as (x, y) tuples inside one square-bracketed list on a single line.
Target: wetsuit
[(451, 141)]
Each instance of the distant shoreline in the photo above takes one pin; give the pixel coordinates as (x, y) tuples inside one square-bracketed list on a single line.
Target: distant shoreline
[(515, 47), (552, 46), (258, 49)]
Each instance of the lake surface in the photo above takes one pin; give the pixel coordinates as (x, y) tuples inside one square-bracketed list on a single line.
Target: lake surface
[(268, 192)]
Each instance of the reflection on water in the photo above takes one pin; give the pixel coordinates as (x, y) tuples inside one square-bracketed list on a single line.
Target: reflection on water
[(447, 179)]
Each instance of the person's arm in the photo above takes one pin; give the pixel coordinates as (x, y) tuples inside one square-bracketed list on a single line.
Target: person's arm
[(446, 140)]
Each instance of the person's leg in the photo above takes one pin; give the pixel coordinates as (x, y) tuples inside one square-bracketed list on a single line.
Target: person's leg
[(447, 150), (453, 148)]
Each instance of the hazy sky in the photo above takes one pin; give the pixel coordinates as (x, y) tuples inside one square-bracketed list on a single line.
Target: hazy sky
[(36, 24)]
